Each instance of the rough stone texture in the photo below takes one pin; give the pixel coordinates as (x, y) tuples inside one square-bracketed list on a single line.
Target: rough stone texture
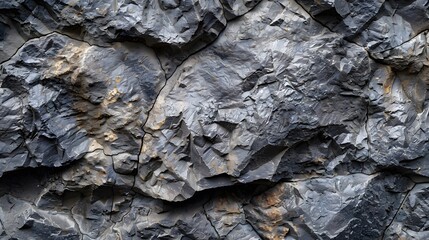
[(214, 119), (410, 220)]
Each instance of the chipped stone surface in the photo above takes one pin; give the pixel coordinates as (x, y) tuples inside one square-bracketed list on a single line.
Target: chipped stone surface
[(214, 119)]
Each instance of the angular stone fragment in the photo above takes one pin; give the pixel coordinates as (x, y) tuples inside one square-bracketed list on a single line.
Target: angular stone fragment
[(150, 219), (409, 56), (225, 213), (244, 232), (23, 221), (175, 28), (397, 120), (155, 22)]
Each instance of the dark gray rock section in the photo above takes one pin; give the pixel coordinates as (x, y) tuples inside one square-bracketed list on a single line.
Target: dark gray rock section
[(349, 17), (155, 22), (411, 220)]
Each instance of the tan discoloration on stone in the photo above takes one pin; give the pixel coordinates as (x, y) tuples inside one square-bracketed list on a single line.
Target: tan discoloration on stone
[(388, 83), (67, 62), (112, 97), (99, 119), (110, 136), (270, 208)]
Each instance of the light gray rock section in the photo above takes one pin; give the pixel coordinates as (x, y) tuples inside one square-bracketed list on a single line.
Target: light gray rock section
[(254, 104), (410, 56), (23, 221), (235, 8), (244, 232), (396, 23), (397, 121)]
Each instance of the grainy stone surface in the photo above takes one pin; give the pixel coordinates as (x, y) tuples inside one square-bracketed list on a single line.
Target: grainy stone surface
[(214, 119)]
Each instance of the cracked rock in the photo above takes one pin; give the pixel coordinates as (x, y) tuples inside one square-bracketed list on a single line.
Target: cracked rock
[(21, 220), (410, 221), (214, 119), (257, 106), (348, 17)]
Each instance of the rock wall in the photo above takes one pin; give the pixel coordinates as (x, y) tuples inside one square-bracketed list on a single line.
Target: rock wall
[(214, 119)]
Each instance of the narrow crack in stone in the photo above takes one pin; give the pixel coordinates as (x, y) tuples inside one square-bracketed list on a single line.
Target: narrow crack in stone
[(368, 139), (46, 35), (2, 225), (208, 218), (397, 211), (232, 229), (113, 202), (77, 224), (405, 42)]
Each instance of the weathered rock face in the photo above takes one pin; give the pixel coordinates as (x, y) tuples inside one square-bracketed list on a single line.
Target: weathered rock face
[(214, 119)]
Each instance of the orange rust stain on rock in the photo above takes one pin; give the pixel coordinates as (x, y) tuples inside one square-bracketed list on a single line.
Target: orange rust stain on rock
[(271, 198), (271, 209), (275, 233), (226, 204)]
